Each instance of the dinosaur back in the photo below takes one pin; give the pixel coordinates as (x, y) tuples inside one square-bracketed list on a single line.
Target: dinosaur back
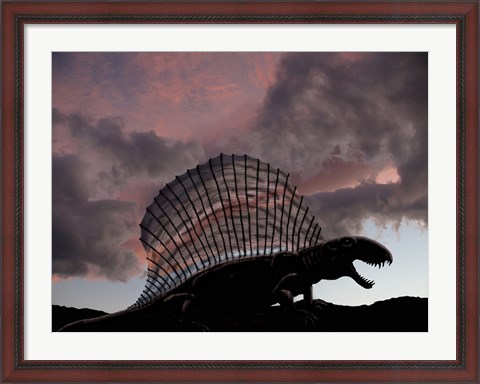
[(229, 208)]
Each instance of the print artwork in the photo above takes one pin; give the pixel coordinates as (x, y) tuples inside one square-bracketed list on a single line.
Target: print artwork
[(240, 191)]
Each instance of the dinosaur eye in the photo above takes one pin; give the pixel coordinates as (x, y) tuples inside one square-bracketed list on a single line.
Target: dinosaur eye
[(347, 242)]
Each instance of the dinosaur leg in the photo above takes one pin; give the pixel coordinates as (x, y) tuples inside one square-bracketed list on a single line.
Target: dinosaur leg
[(188, 316), (314, 306), (285, 298), (187, 312), (310, 303), (284, 295), (308, 296)]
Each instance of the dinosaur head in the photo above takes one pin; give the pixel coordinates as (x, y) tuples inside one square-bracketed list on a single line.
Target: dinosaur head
[(337, 257)]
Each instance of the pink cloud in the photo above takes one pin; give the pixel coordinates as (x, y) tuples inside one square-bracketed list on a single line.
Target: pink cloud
[(178, 95), (334, 174), (388, 175)]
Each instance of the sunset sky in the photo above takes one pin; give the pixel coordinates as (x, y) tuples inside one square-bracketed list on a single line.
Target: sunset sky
[(350, 128)]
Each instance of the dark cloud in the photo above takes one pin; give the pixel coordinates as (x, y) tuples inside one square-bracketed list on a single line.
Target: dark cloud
[(87, 234), (365, 108), (345, 210), (91, 219), (129, 155)]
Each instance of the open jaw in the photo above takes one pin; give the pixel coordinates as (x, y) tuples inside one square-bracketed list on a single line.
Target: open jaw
[(365, 283)]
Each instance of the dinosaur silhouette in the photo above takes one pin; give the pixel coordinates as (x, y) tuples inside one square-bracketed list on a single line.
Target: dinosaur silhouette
[(232, 235)]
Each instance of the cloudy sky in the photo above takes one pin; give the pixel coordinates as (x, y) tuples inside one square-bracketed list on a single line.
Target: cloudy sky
[(350, 128)]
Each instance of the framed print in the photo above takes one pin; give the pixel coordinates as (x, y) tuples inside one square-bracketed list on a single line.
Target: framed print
[(287, 178)]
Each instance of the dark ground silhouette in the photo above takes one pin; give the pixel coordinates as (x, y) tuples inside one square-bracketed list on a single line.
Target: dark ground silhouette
[(65, 315), (403, 314)]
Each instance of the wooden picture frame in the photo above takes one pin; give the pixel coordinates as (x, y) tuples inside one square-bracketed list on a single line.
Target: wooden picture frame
[(16, 14)]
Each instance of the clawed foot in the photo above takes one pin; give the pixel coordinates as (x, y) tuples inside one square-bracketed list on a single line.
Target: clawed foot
[(319, 305), (199, 327), (194, 326), (307, 318)]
